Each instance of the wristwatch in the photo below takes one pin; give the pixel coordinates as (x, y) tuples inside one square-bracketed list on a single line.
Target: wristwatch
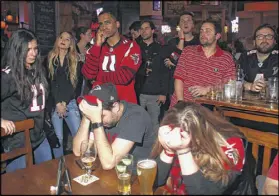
[(96, 125)]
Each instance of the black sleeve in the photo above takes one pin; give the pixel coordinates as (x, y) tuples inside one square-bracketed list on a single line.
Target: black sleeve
[(197, 184), (163, 75), (242, 63), (163, 170), (6, 86)]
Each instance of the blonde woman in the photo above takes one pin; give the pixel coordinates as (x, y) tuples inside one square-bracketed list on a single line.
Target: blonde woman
[(63, 71), (197, 152)]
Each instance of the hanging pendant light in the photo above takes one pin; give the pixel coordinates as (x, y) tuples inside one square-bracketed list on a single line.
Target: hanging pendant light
[(9, 16)]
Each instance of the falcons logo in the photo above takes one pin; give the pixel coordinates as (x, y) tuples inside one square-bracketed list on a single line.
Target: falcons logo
[(135, 58)]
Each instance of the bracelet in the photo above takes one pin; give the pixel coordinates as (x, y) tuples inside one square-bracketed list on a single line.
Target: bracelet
[(169, 154), (97, 125), (181, 39), (186, 152)]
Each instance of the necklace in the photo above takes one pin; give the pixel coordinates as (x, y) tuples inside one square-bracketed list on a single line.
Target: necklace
[(261, 60)]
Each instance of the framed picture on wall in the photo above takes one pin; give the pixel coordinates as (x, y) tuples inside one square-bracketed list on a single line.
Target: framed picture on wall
[(156, 5)]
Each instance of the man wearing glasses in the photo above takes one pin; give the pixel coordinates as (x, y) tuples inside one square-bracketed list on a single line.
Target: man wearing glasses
[(262, 62)]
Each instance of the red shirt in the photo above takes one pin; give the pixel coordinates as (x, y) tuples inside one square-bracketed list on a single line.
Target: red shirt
[(178, 187), (117, 64), (194, 68), (273, 170)]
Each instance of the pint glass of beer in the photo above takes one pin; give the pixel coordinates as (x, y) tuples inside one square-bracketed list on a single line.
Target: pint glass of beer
[(147, 170), (124, 173)]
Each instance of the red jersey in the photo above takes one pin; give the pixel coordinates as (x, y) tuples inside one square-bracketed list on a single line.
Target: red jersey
[(235, 143), (117, 64)]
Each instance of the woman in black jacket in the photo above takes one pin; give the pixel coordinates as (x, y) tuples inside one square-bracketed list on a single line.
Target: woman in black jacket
[(63, 70), (23, 94)]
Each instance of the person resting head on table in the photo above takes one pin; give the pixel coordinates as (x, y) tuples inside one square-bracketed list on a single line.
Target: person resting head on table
[(118, 127), (197, 152)]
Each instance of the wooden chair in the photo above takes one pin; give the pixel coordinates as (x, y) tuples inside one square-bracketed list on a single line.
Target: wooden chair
[(21, 126), (258, 138)]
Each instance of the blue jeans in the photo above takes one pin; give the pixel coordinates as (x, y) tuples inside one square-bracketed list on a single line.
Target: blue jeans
[(73, 122), (41, 154)]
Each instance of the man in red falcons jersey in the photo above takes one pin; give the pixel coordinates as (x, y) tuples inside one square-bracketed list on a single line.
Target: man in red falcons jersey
[(113, 58)]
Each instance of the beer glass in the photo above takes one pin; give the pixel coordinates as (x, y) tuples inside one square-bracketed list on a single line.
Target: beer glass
[(124, 173), (88, 153), (147, 170)]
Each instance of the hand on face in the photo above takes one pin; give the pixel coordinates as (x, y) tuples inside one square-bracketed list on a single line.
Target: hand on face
[(173, 139), (93, 113), (100, 37), (198, 91)]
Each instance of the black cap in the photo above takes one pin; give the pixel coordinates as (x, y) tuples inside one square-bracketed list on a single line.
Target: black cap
[(106, 93)]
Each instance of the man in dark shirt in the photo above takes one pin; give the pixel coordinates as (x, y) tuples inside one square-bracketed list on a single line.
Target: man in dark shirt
[(172, 51), (263, 60), (135, 31), (118, 127), (154, 76)]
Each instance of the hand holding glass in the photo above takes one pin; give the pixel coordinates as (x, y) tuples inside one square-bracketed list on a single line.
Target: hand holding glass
[(88, 153)]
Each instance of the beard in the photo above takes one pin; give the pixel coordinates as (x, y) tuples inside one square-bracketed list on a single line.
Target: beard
[(264, 50), (146, 38)]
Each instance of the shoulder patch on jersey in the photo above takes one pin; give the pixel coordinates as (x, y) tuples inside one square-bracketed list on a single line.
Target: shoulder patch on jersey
[(6, 70), (274, 52), (251, 52), (128, 51), (135, 58)]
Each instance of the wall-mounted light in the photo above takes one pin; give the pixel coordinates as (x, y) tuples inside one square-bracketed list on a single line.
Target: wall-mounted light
[(3, 23), (9, 16), (226, 29)]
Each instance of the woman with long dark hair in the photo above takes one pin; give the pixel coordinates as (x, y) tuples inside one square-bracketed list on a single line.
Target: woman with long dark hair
[(63, 73), (23, 94), (197, 152)]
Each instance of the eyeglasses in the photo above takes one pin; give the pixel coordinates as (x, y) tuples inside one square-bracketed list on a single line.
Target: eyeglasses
[(261, 37)]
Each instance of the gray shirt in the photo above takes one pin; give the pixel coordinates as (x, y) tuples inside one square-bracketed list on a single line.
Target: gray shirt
[(135, 125)]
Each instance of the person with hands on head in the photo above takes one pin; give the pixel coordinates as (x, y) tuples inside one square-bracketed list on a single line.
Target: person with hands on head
[(113, 58), (118, 127), (23, 93), (197, 152)]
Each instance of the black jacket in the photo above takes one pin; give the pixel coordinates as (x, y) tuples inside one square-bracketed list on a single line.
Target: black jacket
[(61, 88), (157, 81)]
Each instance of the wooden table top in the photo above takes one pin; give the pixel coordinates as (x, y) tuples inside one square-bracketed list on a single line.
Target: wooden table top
[(39, 178), (249, 103)]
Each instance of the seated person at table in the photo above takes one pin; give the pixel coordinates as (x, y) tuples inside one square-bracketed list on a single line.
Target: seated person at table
[(262, 60), (203, 153), (23, 93), (119, 127), (271, 182)]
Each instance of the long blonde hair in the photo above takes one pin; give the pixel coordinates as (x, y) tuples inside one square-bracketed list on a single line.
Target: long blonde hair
[(71, 57), (209, 132)]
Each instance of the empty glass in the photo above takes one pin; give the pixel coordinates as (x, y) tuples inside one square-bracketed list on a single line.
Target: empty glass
[(272, 90)]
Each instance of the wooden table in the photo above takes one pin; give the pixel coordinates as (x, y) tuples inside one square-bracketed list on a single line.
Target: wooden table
[(38, 179), (250, 108)]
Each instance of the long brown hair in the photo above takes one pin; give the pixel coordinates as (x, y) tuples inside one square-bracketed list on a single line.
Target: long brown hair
[(72, 58), (209, 132)]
